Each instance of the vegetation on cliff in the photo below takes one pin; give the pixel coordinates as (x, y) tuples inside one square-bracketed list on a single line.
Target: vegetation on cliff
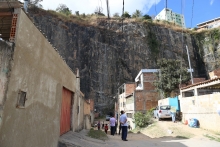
[(207, 43), (170, 76)]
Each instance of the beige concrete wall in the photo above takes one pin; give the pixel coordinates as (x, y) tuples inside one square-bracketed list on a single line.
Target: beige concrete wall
[(78, 124), (87, 107), (204, 108), (6, 52), (163, 102), (87, 122), (38, 70)]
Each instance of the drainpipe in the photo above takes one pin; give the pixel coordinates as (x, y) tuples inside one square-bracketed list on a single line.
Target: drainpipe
[(25, 5), (79, 112)]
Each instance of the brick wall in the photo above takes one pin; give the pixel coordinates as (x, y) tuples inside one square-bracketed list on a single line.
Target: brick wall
[(148, 97), (149, 78), (145, 100), (130, 88), (214, 74)]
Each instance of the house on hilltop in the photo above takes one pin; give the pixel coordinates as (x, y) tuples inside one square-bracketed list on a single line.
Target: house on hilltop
[(169, 15)]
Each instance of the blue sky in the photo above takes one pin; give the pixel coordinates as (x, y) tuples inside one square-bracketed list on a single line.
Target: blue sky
[(203, 10)]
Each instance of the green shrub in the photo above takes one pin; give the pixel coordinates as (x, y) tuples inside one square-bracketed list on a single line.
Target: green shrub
[(141, 120)]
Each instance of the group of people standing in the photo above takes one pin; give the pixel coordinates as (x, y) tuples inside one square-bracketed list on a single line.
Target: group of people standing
[(123, 125)]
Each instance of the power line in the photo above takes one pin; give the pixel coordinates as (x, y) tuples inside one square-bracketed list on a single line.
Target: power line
[(192, 13), (181, 64)]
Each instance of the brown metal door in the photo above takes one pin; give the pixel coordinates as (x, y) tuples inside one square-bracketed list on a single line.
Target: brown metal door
[(65, 111)]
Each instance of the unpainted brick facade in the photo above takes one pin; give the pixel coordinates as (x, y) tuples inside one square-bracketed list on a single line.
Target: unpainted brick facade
[(147, 98), (129, 88)]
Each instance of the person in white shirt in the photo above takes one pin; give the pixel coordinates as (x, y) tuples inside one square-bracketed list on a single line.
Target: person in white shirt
[(124, 126), (112, 125)]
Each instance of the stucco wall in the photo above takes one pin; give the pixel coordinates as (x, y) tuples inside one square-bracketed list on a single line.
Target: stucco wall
[(79, 113), (6, 51), (203, 108), (86, 107), (38, 70)]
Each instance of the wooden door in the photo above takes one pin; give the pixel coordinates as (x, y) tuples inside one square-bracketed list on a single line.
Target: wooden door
[(65, 111)]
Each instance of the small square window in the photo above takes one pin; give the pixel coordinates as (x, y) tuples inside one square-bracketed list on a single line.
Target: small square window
[(21, 99)]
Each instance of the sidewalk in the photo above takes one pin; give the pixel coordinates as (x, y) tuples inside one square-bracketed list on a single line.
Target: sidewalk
[(79, 139)]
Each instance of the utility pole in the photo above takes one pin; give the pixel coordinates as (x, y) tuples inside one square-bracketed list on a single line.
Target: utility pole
[(166, 4), (108, 11), (189, 64), (122, 15)]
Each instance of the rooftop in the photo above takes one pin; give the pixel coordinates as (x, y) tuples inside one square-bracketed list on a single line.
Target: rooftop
[(6, 14), (212, 20), (212, 83)]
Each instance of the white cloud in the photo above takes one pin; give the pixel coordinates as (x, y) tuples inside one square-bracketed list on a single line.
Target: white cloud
[(211, 2), (88, 6)]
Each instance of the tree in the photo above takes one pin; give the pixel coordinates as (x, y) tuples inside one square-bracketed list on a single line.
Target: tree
[(168, 78), (99, 11), (126, 15), (116, 14), (146, 17), (137, 14), (62, 8), (35, 2)]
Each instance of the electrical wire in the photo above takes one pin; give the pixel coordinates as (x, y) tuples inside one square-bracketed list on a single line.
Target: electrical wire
[(192, 13), (181, 61)]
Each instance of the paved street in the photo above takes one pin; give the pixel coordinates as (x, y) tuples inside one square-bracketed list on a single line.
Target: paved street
[(74, 139)]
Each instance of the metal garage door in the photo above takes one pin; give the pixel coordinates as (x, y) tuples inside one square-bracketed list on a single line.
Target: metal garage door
[(66, 111)]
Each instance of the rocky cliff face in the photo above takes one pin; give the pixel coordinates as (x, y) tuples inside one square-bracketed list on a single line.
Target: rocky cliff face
[(108, 57), (208, 46)]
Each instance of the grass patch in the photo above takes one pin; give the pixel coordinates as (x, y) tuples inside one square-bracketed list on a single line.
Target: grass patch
[(180, 133), (97, 134), (212, 137)]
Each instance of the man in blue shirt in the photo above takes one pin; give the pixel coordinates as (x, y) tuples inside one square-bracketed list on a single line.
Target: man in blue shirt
[(124, 126)]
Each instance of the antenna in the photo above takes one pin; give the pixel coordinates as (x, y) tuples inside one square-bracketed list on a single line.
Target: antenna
[(166, 4)]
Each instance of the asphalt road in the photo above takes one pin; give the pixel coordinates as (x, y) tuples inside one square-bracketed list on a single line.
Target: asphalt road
[(74, 139)]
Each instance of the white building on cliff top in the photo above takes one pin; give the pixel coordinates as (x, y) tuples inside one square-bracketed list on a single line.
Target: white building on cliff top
[(169, 15)]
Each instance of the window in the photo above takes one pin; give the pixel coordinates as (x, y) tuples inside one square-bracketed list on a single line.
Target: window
[(124, 104), (164, 107), (129, 115), (21, 99)]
